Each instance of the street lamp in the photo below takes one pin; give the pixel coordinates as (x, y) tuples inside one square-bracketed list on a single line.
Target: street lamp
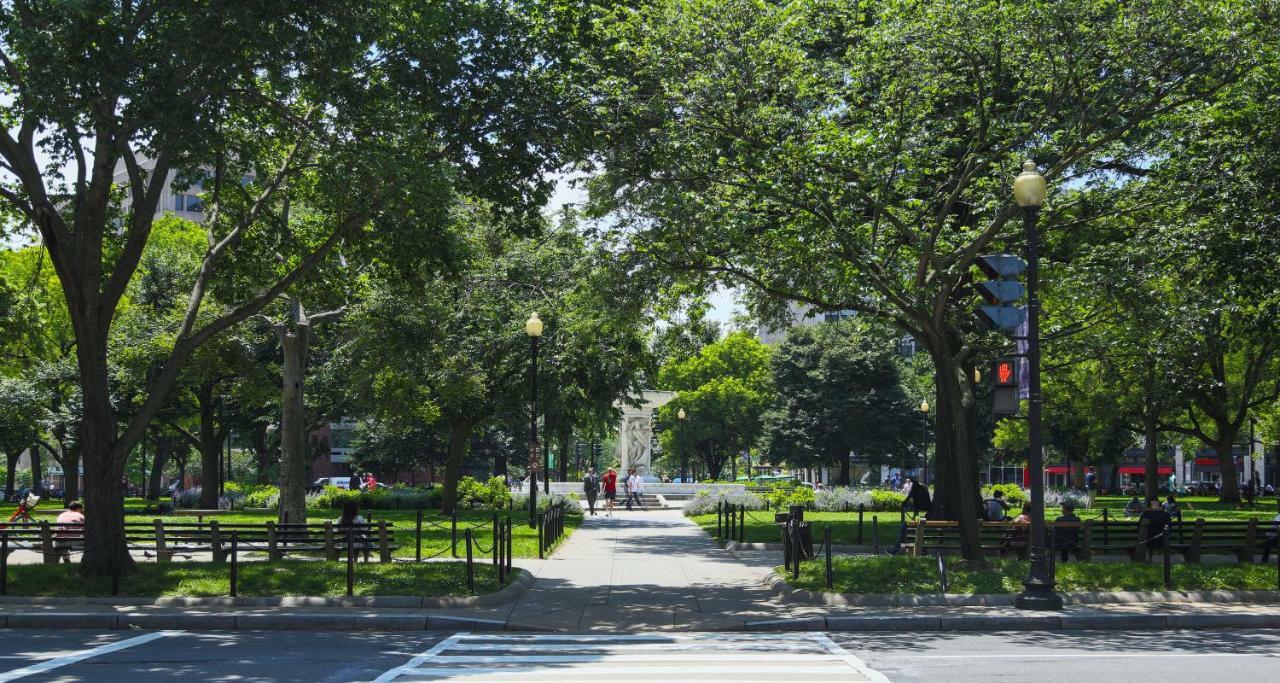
[(533, 328), (684, 454), (924, 441), (1029, 190)]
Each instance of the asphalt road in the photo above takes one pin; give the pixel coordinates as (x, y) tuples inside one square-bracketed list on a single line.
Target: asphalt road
[(1044, 657)]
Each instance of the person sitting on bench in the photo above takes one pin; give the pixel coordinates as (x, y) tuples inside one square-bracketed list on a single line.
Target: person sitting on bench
[(1067, 538), (1272, 540), (1018, 537)]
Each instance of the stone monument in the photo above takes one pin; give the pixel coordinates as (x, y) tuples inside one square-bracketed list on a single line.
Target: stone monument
[(635, 433)]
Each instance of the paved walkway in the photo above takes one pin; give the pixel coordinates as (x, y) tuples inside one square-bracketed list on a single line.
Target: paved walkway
[(641, 571)]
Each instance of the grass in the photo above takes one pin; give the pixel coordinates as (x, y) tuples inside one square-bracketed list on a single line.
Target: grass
[(435, 527), (889, 574), (760, 527), (205, 579)]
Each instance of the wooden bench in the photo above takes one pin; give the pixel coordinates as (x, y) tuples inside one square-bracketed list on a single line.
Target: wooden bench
[(1227, 537), (165, 540), (944, 537)]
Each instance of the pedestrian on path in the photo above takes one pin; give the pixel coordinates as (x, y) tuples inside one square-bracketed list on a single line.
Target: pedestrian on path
[(591, 487), (1091, 486), (635, 487), (610, 481)]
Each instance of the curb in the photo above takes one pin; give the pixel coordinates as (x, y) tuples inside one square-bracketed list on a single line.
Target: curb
[(249, 622), (509, 593), (786, 591), (1044, 622)]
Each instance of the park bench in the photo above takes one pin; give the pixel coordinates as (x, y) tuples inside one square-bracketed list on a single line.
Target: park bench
[(1226, 537), (50, 539), (165, 540), (276, 539), (944, 538)]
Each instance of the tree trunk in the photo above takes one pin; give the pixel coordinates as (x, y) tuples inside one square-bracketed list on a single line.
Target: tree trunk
[(12, 457), (843, 458), (293, 437), (158, 460), (105, 551), (262, 453), (1150, 448), (71, 475), (37, 478), (459, 436), (1225, 446), (210, 450), (957, 495), (566, 435)]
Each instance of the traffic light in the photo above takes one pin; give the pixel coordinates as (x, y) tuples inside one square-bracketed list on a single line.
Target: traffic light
[(1001, 291), (1004, 393)]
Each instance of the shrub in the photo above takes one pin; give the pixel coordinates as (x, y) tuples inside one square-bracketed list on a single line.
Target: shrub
[(572, 505), (398, 498), (705, 502), (885, 500), (841, 499), (1053, 499), (491, 495), (266, 496)]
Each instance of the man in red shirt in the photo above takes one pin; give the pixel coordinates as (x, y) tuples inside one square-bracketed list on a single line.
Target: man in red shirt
[(610, 481)]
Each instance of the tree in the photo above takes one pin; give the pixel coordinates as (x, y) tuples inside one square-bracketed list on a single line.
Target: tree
[(838, 391), (724, 391), (370, 111), (859, 157)]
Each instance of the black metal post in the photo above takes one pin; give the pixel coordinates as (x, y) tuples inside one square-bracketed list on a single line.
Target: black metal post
[(786, 546), (510, 536), (541, 538), (4, 562), (826, 546), (1039, 591), (796, 550), (875, 535), (351, 561), (499, 544), (471, 570), (742, 523), (1168, 563), (453, 532), (417, 538), (235, 563), (533, 431), (860, 524)]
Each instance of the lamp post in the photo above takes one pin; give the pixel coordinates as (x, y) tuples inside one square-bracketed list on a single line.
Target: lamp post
[(924, 442), (684, 454), (533, 328), (1029, 191)]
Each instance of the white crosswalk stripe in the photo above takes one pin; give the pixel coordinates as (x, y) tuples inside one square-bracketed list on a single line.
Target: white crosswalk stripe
[(638, 657)]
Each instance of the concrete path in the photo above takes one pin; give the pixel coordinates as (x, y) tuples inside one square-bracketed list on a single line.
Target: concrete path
[(641, 571)]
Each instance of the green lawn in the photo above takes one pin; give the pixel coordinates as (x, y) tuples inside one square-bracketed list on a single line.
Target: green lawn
[(435, 527), (760, 527), (888, 574), (203, 579)]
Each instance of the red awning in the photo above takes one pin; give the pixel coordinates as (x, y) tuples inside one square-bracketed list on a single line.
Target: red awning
[(1207, 462), (1138, 469), (1056, 469)]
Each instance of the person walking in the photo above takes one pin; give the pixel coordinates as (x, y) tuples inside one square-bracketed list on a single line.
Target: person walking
[(1090, 486), (635, 488), (610, 481), (591, 488)]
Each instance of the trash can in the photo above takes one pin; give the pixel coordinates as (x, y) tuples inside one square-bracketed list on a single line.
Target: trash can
[(796, 512)]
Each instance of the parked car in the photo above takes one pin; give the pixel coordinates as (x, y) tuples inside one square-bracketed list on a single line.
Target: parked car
[(319, 484)]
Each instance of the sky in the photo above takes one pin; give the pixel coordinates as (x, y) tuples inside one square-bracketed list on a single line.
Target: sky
[(724, 302)]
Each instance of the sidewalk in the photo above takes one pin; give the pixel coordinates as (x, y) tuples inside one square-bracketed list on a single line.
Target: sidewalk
[(647, 571)]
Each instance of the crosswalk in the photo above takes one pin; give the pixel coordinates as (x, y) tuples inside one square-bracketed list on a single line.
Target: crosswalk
[(637, 657)]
